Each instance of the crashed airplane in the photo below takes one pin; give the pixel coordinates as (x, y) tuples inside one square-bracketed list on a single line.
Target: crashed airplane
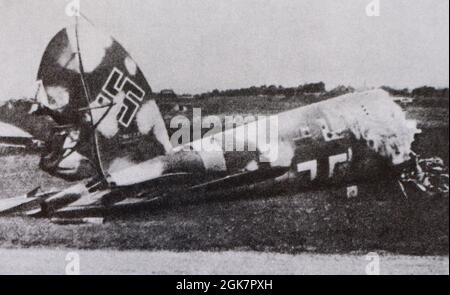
[(112, 140)]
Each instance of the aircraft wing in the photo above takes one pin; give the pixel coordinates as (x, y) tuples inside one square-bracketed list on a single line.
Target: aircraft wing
[(78, 202), (14, 137), (23, 203), (15, 141), (96, 208), (240, 179)]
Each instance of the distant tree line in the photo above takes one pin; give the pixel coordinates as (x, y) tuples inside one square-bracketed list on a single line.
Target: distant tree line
[(264, 90), (424, 91), (425, 96), (319, 88)]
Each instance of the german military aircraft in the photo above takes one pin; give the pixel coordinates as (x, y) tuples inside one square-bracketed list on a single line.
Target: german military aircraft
[(112, 140)]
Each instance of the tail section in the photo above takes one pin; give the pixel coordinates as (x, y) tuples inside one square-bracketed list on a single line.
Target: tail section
[(90, 82)]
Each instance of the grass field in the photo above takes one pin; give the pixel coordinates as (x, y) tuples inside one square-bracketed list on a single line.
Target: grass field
[(281, 221)]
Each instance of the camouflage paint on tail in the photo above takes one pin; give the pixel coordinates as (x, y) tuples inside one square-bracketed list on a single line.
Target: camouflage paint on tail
[(91, 82)]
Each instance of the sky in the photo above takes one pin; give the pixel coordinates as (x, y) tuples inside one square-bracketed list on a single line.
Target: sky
[(194, 46)]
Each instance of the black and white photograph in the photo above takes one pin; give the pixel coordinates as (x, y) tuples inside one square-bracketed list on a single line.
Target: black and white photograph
[(250, 137)]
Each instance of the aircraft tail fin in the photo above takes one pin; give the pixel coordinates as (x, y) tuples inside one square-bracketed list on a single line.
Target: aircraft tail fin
[(90, 82)]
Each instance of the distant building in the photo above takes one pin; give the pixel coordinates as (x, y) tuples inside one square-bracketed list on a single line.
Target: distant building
[(403, 100), (340, 90), (167, 93), (186, 96)]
